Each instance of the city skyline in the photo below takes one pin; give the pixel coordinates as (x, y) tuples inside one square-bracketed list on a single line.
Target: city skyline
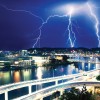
[(27, 24)]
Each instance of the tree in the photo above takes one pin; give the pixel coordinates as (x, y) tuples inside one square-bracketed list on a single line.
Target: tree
[(76, 94), (55, 95), (98, 77), (7, 64), (73, 94), (85, 95), (65, 58)]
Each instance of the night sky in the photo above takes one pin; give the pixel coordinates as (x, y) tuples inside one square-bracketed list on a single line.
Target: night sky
[(19, 24)]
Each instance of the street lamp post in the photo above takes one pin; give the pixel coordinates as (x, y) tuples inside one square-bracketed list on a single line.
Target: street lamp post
[(53, 72)]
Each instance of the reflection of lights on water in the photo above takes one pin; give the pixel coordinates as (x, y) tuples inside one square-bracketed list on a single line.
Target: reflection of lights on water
[(1, 74), (83, 66), (76, 69), (71, 68), (27, 74), (17, 76), (97, 65), (94, 67), (39, 72), (5, 76), (39, 76), (11, 72), (62, 69), (89, 64)]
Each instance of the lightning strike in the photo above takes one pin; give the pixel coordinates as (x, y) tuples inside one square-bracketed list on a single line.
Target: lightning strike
[(69, 28), (45, 22), (96, 23), (71, 33), (21, 11), (29, 12), (74, 37)]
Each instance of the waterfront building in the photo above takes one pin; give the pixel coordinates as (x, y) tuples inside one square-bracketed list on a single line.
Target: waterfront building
[(23, 61), (3, 63), (40, 60)]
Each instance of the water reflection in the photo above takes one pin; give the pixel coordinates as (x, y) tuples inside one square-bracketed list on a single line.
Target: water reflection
[(71, 69), (39, 73), (5, 77), (76, 69), (89, 65), (17, 75), (83, 65), (97, 65), (26, 74)]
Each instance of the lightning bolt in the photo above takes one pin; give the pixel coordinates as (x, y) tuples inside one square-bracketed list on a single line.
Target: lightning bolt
[(45, 22), (96, 23), (29, 12), (69, 28)]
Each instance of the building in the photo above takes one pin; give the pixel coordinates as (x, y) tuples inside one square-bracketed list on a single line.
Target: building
[(40, 60)]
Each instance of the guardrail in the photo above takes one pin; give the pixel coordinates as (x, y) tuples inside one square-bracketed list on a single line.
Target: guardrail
[(47, 91)]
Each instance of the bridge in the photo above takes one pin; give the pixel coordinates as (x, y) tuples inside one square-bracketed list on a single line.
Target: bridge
[(76, 54), (84, 61), (75, 77), (81, 58), (39, 95)]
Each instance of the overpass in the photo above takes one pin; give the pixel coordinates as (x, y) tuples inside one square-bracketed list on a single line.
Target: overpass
[(39, 95), (75, 54), (84, 61), (6, 88)]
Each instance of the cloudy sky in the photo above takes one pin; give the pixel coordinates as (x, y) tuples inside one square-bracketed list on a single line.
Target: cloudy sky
[(21, 22)]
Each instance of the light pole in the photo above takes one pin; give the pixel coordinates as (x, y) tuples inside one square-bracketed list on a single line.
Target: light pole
[(53, 71), (36, 87)]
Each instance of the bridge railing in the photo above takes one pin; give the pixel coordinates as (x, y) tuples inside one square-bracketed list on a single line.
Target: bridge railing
[(13, 86), (49, 90)]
